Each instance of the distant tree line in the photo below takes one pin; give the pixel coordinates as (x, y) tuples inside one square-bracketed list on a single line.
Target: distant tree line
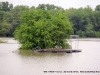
[(85, 21)]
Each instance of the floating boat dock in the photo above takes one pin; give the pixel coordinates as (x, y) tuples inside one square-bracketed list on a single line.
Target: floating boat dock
[(59, 51)]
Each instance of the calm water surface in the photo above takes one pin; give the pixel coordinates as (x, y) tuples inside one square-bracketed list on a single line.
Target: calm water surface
[(15, 62)]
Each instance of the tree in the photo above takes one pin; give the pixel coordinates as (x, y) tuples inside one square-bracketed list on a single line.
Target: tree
[(5, 30), (97, 8), (88, 8), (33, 7), (18, 10), (5, 26), (49, 7), (85, 21), (5, 6), (44, 29)]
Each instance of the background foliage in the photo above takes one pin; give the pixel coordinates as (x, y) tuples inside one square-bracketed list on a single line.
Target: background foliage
[(86, 21)]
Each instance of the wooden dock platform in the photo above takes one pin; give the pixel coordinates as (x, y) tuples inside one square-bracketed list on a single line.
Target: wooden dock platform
[(60, 51)]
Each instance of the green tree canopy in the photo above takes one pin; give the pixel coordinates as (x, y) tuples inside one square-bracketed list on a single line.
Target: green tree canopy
[(97, 8), (6, 6), (49, 7), (44, 29)]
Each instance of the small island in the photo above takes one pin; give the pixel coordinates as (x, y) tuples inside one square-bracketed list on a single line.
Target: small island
[(44, 29)]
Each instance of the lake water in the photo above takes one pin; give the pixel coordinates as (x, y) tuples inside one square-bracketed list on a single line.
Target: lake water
[(15, 62)]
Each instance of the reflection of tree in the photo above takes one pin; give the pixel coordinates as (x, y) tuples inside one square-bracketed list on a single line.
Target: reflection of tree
[(30, 53)]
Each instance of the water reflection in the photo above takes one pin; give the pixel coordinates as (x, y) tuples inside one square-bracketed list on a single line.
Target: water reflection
[(37, 54), (40, 62)]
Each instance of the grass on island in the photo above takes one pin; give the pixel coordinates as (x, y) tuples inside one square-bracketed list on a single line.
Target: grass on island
[(1, 41)]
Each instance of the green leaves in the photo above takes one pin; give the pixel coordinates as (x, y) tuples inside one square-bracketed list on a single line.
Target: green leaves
[(44, 29), (97, 8), (5, 6), (85, 21)]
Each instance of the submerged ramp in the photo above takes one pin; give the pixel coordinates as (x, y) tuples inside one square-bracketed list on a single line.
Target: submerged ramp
[(60, 50)]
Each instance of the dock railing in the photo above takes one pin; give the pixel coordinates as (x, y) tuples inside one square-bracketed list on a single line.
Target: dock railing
[(74, 38)]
